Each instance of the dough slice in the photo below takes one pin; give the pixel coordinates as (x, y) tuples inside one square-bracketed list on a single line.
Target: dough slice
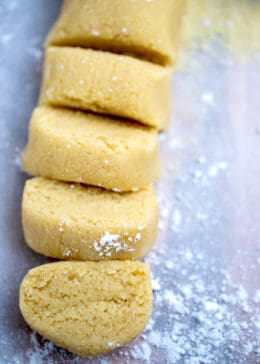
[(88, 308), (92, 149), (69, 221), (144, 28), (107, 83)]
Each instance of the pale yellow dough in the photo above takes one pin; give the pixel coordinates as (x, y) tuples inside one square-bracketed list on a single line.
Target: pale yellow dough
[(143, 28), (92, 149), (88, 308), (69, 221), (107, 83)]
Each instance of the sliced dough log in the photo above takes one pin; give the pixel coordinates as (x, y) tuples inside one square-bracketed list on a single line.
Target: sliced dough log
[(92, 149), (69, 221), (88, 308), (147, 29), (107, 83)]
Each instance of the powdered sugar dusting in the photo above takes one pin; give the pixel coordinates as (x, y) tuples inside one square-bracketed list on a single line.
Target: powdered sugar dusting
[(110, 244), (63, 224), (95, 32)]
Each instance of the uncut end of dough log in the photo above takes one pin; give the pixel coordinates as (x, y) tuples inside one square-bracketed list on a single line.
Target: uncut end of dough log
[(107, 83), (78, 147), (88, 308), (146, 29), (69, 221)]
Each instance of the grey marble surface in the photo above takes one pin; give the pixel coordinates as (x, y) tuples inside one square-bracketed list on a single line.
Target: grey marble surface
[(206, 263)]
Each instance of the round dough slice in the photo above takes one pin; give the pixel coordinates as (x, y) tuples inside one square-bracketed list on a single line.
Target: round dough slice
[(69, 221), (107, 83), (143, 28), (88, 308), (78, 147)]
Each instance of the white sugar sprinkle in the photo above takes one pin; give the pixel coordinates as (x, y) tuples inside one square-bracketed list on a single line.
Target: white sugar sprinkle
[(177, 218), (124, 30), (207, 97), (211, 306), (156, 285), (116, 189), (213, 171), (138, 237), (95, 32), (110, 243)]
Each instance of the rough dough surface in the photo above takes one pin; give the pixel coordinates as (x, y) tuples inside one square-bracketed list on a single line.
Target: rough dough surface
[(147, 29), (107, 83), (88, 308), (69, 221), (79, 147)]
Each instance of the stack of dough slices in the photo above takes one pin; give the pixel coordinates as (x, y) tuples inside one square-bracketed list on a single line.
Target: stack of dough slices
[(93, 148)]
